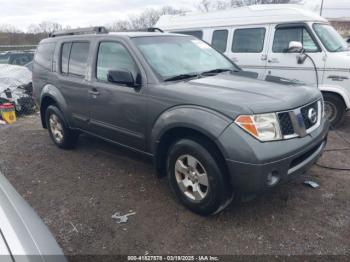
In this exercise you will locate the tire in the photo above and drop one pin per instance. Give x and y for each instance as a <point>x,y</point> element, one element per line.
<point>59,132</point>
<point>199,198</point>
<point>335,109</point>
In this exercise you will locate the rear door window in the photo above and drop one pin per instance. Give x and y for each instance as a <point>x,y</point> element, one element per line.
<point>219,41</point>
<point>65,57</point>
<point>250,40</point>
<point>44,55</point>
<point>78,58</point>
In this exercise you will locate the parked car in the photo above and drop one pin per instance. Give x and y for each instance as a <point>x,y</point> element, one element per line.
<point>258,38</point>
<point>16,87</point>
<point>23,236</point>
<point>16,57</point>
<point>212,131</point>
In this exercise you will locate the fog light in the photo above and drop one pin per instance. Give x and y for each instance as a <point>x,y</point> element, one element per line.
<point>273,178</point>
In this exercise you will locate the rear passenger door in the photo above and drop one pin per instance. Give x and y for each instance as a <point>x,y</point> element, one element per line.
<point>73,81</point>
<point>118,112</point>
<point>249,48</point>
<point>280,63</point>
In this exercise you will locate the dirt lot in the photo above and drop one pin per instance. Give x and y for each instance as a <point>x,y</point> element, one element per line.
<point>76,192</point>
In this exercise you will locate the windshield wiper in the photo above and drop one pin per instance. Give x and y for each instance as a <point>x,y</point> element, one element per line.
<point>180,77</point>
<point>217,71</point>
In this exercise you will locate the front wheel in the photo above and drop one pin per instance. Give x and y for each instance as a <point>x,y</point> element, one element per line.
<point>59,131</point>
<point>334,108</point>
<point>196,178</point>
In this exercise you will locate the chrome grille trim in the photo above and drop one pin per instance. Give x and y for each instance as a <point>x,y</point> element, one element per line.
<point>298,121</point>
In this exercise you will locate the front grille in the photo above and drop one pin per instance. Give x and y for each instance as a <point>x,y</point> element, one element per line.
<point>298,122</point>
<point>305,111</point>
<point>286,124</point>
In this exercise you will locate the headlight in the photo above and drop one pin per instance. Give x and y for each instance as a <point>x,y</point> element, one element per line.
<point>264,127</point>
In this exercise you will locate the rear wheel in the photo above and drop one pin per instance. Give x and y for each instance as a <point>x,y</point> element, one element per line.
<point>58,129</point>
<point>196,178</point>
<point>334,108</point>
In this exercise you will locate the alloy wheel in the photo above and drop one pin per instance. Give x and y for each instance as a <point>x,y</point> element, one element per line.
<point>56,128</point>
<point>191,178</point>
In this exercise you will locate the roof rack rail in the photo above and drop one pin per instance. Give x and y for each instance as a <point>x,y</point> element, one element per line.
<point>149,29</point>
<point>81,31</point>
<point>154,29</point>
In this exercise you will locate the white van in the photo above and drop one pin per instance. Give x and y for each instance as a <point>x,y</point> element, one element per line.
<point>260,38</point>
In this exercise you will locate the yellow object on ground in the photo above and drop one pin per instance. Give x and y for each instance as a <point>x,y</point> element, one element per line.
<point>8,113</point>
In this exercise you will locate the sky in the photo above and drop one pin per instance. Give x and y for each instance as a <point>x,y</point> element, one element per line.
<point>79,13</point>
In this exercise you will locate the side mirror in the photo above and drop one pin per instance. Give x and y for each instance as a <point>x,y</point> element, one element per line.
<point>295,47</point>
<point>122,77</point>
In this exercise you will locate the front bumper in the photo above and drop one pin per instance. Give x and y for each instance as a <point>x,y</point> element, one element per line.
<point>251,164</point>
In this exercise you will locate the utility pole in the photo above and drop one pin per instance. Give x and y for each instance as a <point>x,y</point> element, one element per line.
<point>321,11</point>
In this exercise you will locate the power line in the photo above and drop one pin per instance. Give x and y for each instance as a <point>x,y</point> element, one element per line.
<point>321,10</point>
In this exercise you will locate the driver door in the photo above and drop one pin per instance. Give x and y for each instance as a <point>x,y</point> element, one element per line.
<point>118,112</point>
<point>280,63</point>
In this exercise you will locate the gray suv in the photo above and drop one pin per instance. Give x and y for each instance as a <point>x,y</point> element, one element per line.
<point>212,130</point>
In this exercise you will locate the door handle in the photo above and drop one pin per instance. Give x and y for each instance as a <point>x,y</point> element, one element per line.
<point>94,92</point>
<point>273,61</point>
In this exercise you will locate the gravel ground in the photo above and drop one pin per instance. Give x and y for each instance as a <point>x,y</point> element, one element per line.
<point>76,192</point>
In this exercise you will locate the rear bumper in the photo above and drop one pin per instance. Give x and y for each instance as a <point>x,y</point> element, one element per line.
<point>282,160</point>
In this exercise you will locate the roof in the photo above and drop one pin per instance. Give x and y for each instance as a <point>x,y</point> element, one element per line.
<point>138,34</point>
<point>258,14</point>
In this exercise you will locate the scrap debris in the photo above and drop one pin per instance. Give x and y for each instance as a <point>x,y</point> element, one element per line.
<point>311,184</point>
<point>74,227</point>
<point>122,218</point>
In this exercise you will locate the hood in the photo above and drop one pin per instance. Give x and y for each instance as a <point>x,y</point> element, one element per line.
<point>234,95</point>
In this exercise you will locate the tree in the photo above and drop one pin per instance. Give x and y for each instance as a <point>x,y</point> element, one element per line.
<point>6,28</point>
<point>45,27</point>
<point>146,19</point>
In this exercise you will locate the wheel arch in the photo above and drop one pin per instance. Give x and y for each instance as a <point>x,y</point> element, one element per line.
<point>339,91</point>
<point>50,95</point>
<point>195,123</point>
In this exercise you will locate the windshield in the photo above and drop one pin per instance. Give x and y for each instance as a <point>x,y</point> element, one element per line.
<point>171,56</point>
<point>330,38</point>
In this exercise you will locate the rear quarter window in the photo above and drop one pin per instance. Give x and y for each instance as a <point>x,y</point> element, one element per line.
<point>44,55</point>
